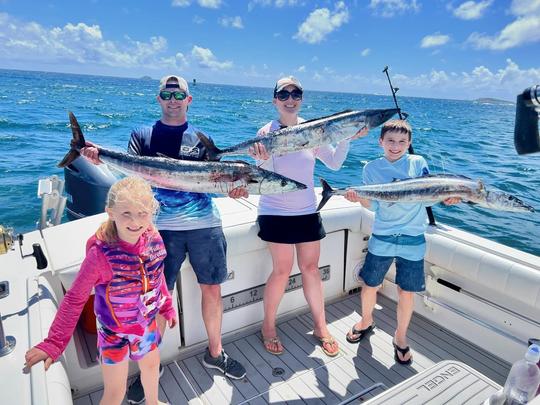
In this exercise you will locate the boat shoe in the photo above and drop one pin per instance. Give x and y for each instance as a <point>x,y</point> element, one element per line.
<point>230,367</point>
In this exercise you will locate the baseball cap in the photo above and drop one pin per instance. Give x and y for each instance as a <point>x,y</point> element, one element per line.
<point>286,81</point>
<point>182,84</point>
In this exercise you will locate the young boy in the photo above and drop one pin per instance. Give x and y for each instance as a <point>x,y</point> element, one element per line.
<point>398,233</point>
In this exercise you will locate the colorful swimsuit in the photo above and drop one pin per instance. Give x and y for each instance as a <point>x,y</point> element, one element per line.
<point>130,291</point>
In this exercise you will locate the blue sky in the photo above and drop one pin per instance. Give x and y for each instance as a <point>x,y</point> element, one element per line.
<point>435,48</point>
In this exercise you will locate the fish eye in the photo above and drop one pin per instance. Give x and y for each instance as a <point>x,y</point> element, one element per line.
<point>283,183</point>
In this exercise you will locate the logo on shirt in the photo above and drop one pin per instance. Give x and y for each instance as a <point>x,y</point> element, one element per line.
<point>189,150</point>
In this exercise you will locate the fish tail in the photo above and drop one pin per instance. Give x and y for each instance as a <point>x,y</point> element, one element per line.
<point>77,142</point>
<point>327,192</point>
<point>213,151</point>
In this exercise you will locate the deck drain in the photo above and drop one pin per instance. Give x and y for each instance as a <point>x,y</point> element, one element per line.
<point>277,371</point>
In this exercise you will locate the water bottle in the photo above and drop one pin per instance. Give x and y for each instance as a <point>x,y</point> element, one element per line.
<point>524,378</point>
<point>533,341</point>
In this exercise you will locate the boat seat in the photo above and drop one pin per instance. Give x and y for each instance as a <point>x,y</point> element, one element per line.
<point>495,273</point>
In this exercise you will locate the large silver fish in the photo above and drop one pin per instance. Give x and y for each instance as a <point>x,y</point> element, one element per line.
<point>432,189</point>
<point>194,176</point>
<point>307,135</point>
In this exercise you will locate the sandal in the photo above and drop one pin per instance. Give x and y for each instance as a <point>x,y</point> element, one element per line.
<point>403,352</point>
<point>270,343</point>
<point>327,343</point>
<point>360,332</point>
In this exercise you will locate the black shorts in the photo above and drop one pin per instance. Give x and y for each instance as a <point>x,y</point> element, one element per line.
<point>291,229</point>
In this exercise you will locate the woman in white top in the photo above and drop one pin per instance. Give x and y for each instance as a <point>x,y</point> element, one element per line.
<point>290,220</point>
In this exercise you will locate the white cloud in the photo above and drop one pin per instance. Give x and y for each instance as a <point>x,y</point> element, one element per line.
<point>79,43</point>
<point>301,69</point>
<point>272,3</point>
<point>233,22</point>
<point>479,82</point>
<point>181,3</point>
<point>202,3</point>
<point>365,52</point>
<point>322,22</point>
<point>317,77</point>
<point>472,10</point>
<point>197,19</point>
<point>206,59</point>
<point>525,29</point>
<point>389,8</point>
<point>434,40</point>
<point>209,3</point>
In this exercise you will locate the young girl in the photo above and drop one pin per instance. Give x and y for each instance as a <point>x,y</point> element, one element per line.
<point>124,263</point>
<point>290,221</point>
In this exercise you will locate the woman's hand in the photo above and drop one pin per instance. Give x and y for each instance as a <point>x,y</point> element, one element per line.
<point>452,201</point>
<point>258,151</point>
<point>239,192</point>
<point>90,151</point>
<point>35,355</point>
<point>360,134</point>
<point>352,196</point>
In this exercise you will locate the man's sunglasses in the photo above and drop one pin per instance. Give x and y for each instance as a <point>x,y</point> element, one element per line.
<point>284,95</point>
<point>167,95</point>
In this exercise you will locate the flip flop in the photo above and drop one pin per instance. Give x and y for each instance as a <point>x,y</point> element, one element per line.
<point>403,352</point>
<point>360,332</point>
<point>272,342</point>
<point>328,341</point>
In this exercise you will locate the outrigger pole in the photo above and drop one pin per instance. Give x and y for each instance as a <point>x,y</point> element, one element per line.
<point>394,90</point>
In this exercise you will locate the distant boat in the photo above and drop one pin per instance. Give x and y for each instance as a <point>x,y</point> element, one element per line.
<point>194,82</point>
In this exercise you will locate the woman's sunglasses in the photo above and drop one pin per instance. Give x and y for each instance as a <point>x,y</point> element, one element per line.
<point>167,95</point>
<point>284,95</point>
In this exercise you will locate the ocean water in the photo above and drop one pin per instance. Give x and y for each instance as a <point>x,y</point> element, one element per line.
<point>458,137</point>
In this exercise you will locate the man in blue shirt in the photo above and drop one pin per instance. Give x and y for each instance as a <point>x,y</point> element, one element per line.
<point>189,223</point>
<point>398,234</point>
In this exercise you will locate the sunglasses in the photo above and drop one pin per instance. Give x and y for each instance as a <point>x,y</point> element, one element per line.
<point>284,95</point>
<point>167,95</point>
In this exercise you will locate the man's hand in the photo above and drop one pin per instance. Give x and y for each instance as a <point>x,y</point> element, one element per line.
<point>352,196</point>
<point>452,201</point>
<point>258,151</point>
<point>35,355</point>
<point>239,192</point>
<point>91,153</point>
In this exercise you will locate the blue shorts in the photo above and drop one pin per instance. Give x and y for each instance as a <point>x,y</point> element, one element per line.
<point>207,250</point>
<point>409,273</point>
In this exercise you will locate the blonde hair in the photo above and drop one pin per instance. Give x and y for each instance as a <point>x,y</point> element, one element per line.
<point>400,126</point>
<point>132,189</point>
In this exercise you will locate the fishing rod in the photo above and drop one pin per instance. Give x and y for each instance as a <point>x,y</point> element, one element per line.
<point>394,90</point>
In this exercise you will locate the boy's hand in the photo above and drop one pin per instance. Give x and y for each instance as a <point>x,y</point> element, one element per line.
<point>452,201</point>
<point>258,151</point>
<point>239,192</point>
<point>351,195</point>
<point>35,355</point>
<point>172,322</point>
<point>360,134</point>
<point>91,153</point>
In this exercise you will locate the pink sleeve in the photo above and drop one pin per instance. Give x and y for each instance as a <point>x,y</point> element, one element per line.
<point>167,309</point>
<point>91,273</point>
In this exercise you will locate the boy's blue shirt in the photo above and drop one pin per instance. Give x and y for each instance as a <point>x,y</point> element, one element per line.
<point>397,218</point>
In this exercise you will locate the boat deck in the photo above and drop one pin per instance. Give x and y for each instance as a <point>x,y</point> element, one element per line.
<point>303,374</point>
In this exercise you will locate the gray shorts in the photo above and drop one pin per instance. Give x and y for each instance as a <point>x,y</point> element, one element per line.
<point>207,249</point>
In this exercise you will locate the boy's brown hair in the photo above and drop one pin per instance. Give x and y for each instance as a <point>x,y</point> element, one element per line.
<point>396,126</point>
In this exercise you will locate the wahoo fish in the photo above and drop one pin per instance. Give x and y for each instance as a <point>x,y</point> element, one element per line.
<point>307,135</point>
<point>194,176</point>
<point>433,188</point>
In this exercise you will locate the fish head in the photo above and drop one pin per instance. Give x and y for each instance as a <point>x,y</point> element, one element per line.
<point>499,200</point>
<point>374,118</point>
<point>273,183</point>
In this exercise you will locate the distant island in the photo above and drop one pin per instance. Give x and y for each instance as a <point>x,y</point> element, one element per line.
<point>489,100</point>
<point>145,78</point>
